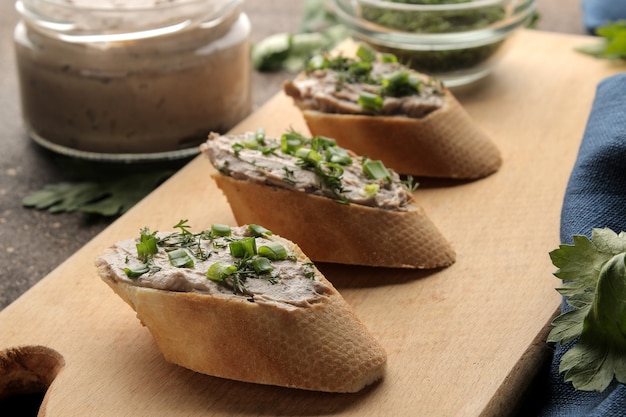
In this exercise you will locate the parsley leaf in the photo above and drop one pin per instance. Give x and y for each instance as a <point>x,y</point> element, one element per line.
<point>594,274</point>
<point>104,197</point>
<point>613,42</point>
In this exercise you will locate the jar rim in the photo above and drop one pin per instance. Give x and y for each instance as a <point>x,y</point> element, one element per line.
<point>83,22</point>
<point>126,5</point>
<point>417,7</point>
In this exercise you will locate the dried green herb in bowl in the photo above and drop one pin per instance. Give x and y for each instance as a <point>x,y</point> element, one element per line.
<point>457,41</point>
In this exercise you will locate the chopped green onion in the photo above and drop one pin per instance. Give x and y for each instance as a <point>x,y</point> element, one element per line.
<point>268,150</point>
<point>219,270</point>
<point>237,148</point>
<point>317,62</point>
<point>376,170</point>
<point>369,190</point>
<point>250,142</point>
<point>366,54</point>
<point>260,136</point>
<point>396,77</point>
<point>308,155</point>
<point>273,251</point>
<point>291,142</point>
<point>338,155</point>
<point>329,170</point>
<point>370,101</point>
<point>261,265</point>
<point>257,230</point>
<point>180,258</point>
<point>220,230</point>
<point>243,248</point>
<point>137,271</point>
<point>388,58</point>
<point>319,143</point>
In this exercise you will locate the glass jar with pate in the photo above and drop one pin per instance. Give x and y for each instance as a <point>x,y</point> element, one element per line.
<point>131,80</point>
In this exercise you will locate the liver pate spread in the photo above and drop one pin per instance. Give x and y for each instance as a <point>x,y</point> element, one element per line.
<point>339,84</point>
<point>239,156</point>
<point>286,280</point>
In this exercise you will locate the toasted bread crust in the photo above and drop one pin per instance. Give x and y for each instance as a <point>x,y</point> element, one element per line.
<point>321,347</point>
<point>445,144</point>
<point>328,231</point>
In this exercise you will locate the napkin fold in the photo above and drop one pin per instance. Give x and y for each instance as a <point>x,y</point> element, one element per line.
<point>600,12</point>
<point>595,197</point>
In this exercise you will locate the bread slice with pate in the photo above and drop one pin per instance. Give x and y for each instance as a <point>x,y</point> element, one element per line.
<point>337,206</point>
<point>244,304</point>
<point>377,107</point>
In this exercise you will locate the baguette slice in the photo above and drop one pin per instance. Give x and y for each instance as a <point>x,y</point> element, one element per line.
<point>297,332</point>
<point>438,140</point>
<point>328,231</point>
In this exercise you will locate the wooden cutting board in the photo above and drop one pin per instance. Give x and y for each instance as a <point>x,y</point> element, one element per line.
<point>463,341</point>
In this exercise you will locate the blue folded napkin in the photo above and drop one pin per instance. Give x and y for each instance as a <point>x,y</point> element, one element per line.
<point>595,197</point>
<point>599,12</point>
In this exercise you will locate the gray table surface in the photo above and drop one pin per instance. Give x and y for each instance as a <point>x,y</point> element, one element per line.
<point>33,243</point>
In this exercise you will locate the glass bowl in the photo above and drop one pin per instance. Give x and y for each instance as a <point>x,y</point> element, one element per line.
<point>456,41</point>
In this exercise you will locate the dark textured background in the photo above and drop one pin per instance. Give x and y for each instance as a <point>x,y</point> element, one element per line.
<point>32,242</point>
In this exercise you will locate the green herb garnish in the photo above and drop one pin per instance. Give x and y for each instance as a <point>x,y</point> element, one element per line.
<point>308,156</point>
<point>376,170</point>
<point>370,101</point>
<point>400,84</point>
<point>243,248</point>
<point>594,286</point>
<point>337,155</point>
<point>366,54</point>
<point>136,271</point>
<point>612,44</point>
<point>180,258</point>
<point>321,155</point>
<point>105,197</point>
<point>290,142</point>
<point>183,226</point>
<point>273,250</point>
<point>221,230</point>
<point>219,270</point>
<point>261,265</point>
<point>184,247</point>
<point>410,184</point>
<point>257,230</point>
<point>369,190</point>
<point>147,245</point>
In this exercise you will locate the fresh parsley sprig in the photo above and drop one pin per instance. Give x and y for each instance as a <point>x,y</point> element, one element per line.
<point>612,44</point>
<point>594,286</point>
<point>106,197</point>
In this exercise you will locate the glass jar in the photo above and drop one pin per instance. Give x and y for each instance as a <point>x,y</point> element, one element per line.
<point>456,41</point>
<point>132,79</point>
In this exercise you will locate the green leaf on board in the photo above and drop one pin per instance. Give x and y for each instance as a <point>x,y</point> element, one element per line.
<point>612,43</point>
<point>105,197</point>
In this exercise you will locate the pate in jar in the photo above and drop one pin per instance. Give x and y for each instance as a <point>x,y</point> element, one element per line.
<point>132,79</point>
